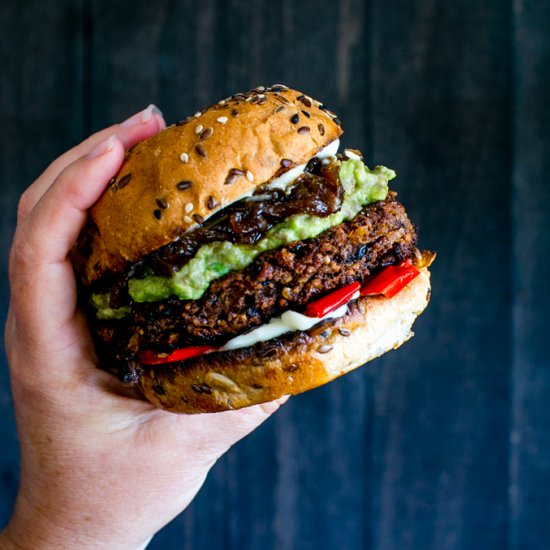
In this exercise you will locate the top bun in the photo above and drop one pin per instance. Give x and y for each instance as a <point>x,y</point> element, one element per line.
<point>176,179</point>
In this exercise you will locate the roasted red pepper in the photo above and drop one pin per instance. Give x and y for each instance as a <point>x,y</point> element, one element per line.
<point>155,358</point>
<point>390,280</point>
<point>332,301</point>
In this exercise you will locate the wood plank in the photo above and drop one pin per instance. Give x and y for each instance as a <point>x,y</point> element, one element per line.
<point>441,98</point>
<point>40,117</point>
<point>530,436</point>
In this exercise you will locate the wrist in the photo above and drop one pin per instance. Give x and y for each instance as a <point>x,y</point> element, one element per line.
<point>31,530</point>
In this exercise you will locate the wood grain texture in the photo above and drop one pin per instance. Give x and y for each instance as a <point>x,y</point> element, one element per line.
<point>530,429</point>
<point>441,108</point>
<point>443,444</point>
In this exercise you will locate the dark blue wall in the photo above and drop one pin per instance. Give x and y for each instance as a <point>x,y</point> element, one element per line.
<point>445,443</point>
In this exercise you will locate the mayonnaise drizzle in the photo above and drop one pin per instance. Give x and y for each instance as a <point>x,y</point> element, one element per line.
<point>284,179</point>
<point>289,321</point>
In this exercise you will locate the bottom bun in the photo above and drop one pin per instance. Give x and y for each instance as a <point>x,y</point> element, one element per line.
<point>290,364</point>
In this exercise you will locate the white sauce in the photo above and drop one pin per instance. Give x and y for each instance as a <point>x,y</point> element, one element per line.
<point>284,179</point>
<point>351,154</point>
<point>330,150</point>
<point>289,321</point>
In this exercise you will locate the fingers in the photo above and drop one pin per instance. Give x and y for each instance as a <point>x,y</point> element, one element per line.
<point>138,127</point>
<point>56,220</point>
<point>41,277</point>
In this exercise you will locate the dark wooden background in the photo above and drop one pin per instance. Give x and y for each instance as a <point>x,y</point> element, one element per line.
<point>445,443</point>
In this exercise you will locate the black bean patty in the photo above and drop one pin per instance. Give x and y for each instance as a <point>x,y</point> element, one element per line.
<point>286,278</point>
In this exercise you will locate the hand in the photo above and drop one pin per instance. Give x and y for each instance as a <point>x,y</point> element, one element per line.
<point>98,469</point>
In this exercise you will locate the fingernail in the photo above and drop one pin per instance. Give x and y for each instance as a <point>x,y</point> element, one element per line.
<point>143,116</point>
<point>103,147</point>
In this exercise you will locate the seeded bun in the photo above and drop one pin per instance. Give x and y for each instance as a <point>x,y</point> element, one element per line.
<point>290,364</point>
<point>175,180</point>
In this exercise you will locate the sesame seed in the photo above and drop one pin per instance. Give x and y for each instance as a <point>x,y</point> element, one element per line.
<point>188,207</point>
<point>337,121</point>
<point>222,119</point>
<point>344,331</point>
<point>249,175</point>
<point>281,98</point>
<point>305,100</point>
<point>260,89</point>
<point>234,112</point>
<point>123,181</point>
<point>187,219</point>
<point>279,88</point>
<point>280,108</point>
<point>306,114</point>
<point>197,114</point>
<point>285,163</point>
<point>303,130</point>
<point>198,129</point>
<point>232,176</point>
<point>211,203</point>
<point>222,102</point>
<point>200,150</point>
<point>206,133</point>
<point>183,185</point>
<point>321,129</point>
<point>230,179</point>
<point>184,157</point>
<point>157,214</point>
<point>198,218</point>
<point>295,118</point>
<point>161,203</point>
<point>325,348</point>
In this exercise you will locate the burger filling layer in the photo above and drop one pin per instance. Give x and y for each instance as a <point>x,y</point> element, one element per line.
<point>232,240</point>
<point>252,269</point>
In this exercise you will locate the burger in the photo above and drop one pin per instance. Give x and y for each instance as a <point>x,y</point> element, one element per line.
<point>239,256</point>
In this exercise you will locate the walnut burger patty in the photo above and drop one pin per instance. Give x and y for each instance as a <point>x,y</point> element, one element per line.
<point>237,257</point>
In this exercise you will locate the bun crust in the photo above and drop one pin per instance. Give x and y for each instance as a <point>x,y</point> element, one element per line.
<point>172,181</point>
<point>287,365</point>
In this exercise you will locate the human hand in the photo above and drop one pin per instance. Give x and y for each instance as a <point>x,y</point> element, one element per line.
<point>98,469</point>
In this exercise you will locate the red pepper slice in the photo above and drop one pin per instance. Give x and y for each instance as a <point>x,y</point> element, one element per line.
<point>390,280</point>
<point>154,358</point>
<point>332,301</point>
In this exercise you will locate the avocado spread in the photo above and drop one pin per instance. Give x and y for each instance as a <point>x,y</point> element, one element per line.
<point>361,187</point>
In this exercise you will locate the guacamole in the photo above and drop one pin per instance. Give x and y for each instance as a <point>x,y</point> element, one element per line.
<point>361,187</point>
